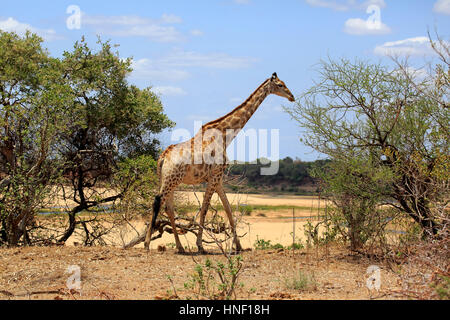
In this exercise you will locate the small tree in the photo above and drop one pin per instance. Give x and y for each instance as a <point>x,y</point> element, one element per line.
<point>111,122</point>
<point>364,110</point>
<point>356,190</point>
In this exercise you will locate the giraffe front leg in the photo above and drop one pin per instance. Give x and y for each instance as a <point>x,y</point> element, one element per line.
<point>228,210</point>
<point>205,205</point>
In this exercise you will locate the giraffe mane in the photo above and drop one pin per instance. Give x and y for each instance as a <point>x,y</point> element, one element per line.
<point>237,108</point>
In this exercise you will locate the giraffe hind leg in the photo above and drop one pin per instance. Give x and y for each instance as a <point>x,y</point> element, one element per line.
<point>169,183</point>
<point>151,227</point>
<point>171,214</point>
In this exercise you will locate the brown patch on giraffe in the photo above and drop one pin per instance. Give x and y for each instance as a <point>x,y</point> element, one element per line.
<point>235,122</point>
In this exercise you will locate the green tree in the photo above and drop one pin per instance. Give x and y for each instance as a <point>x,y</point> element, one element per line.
<point>33,112</point>
<point>111,122</point>
<point>75,119</point>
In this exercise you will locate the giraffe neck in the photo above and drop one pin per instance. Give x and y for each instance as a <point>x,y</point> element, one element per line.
<point>236,119</point>
<point>232,123</point>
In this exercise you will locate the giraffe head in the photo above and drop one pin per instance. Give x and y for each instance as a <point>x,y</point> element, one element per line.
<point>276,86</point>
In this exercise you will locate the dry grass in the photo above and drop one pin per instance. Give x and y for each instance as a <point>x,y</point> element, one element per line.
<point>113,273</point>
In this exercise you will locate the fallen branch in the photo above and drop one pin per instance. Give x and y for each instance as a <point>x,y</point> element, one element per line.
<point>10,294</point>
<point>191,226</point>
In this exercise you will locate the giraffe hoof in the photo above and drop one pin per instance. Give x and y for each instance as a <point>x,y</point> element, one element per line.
<point>238,250</point>
<point>202,251</point>
<point>181,251</point>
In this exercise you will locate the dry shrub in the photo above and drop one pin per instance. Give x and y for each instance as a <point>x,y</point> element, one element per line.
<point>426,271</point>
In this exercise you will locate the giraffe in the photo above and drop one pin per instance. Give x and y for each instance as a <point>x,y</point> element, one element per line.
<point>203,159</point>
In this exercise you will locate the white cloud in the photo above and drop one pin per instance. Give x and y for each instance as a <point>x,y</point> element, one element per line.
<point>417,74</point>
<point>345,5</point>
<point>366,4</point>
<point>442,6</point>
<point>148,69</point>
<point>171,18</point>
<point>242,1</point>
<point>181,58</point>
<point>358,26</point>
<point>169,91</point>
<point>153,32</point>
<point>196,33</point>
<point>129,20</point>
<point>114,20</point>
<point>159,30</point>
<point>12,25</point>
<point>172,67</point>
<point>406,47</point>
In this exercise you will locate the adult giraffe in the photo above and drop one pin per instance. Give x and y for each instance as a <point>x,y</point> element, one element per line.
<point>203,159</point>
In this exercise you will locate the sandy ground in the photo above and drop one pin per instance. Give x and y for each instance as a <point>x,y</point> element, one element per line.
<point>113,273</point>
<point>233,198</point>
<point>274,225</point>
<point>250,230</point>
<point>259,199</point>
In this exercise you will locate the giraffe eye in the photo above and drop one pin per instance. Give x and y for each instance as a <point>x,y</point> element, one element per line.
<point>280,85</point>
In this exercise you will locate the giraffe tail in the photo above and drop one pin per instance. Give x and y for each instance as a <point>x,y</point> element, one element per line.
<point>156,208</point>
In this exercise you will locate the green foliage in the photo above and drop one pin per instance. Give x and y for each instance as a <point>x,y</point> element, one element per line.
<point>74,117</point>
<point>412,233</point>
<point>297,245</point>
<point>301,282</point>
<point>215,279</point>
<point>33,111</point>
<point>137,177</point>
<point>356,188</point>
<point>277,246</point>
<point>442,287</point>
<point>245,210</point>
<point>261,244</point>
<point>110,140</point>
<point>291,175</point>
<point>171,245</point>
<point>106,107</point>
<point>387,134</point>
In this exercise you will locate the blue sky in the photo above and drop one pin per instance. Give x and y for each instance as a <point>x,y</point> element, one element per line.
<point>206,57</point>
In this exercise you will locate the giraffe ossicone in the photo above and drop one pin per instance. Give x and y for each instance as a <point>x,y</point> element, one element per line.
<point>203,159</point>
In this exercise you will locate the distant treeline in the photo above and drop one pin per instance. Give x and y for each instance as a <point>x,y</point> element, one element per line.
<point>293,176</point>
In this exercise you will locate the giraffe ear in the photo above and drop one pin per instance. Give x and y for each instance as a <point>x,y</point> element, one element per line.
<point>274,76</point>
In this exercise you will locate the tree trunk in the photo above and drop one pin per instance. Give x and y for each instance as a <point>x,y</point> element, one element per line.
<point>79,208</point>
<point>355,237</point>
<point>71,228</point>
<point>13,236</point>
<point>420,214</point>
